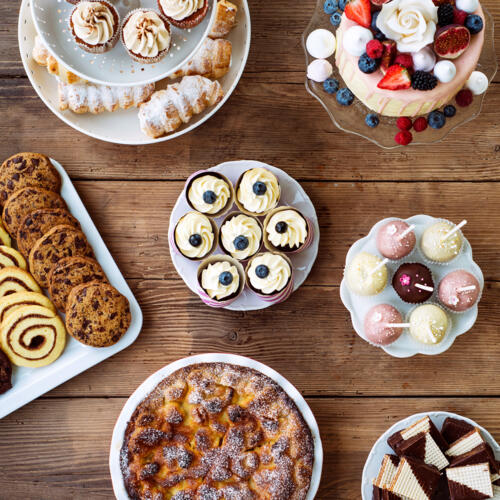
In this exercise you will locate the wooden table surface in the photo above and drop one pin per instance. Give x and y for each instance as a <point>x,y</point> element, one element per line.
<point>57,447</point>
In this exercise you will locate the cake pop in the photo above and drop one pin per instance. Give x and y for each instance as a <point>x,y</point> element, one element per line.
<point>396,239</point>
<point>367,274</point>
<point>442,241</point>
<point>459,290</point>
<point>428,324</point>
<point>413,283</point>
<point>383,324</point>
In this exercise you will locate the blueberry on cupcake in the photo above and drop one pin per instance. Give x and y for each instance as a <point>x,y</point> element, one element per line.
<point>241,236</point>
<point>195,236</point>
<point>210,193</point>
<point>257,191</point>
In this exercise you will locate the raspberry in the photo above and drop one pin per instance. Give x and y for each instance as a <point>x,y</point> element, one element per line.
<point>404,138</point>
<point>374,49</point>
<point>420,124</point>
<point>459,16</point>
<point>404,123</point>
<point>404,60</point>
<point>464,98</point>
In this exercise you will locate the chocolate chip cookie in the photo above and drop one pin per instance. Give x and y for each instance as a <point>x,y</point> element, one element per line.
<point>5,373</point>
<point>37,223</point>
<point>97,314</point>
<point>27,169</point>
<point>59,242</point>
<point>24,202</point>
<point>70,272</point>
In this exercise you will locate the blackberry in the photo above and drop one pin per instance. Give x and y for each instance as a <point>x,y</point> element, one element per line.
<point>445,14</point>
<point>421,80</point>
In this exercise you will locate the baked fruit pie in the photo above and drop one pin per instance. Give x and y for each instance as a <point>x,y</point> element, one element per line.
<point>221,431</point>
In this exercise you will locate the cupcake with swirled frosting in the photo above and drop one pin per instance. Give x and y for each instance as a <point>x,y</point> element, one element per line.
<point>195,236</point>
<point>184,14</point>
<point>257,191</point>
<point>240,236</point>
<point>95,26</point>
<point>146,36</point>
<point>210,193</point>
<point>287,230</point>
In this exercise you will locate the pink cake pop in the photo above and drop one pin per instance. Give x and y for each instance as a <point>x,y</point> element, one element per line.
<point>396,239</point>
<point>459,290</point>
<point>378,324</point>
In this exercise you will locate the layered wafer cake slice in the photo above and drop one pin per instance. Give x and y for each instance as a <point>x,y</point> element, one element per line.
<point>470,482</point>
<point>387,471</point>
<point>423,447</point>
<point>415,480</point>
<point>465,444</point>
<point>479,455</point>
<point>496,492</point>
<point>453,429</point>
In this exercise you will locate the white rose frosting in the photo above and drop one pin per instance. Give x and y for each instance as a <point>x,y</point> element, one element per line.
<point>180,9</point>
<point>258,203</point>
<point>241,225</point>
<point>410,23</point>
<point>145,34</point>
<point>194,223</point>
<point>211,283</point>
<point>295,233</point>
<point>278,277</point>
<point>93,22</point>
<point>206,183</point>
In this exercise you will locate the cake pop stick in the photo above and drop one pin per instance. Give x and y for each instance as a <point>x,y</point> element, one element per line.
<point>454,230</point>
<point>398,325</point>
<point>406,231</point>
<point>466,288</point>
<point>378,266</point>
<point>424,287</point>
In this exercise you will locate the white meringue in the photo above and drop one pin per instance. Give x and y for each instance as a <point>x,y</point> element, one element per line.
<point>477,83</point>
<point>468,6</point>
<point>319,70</point>
<point>321,44</point>
<point>355,40</point>
<point>424,60</point>
<point>445,71</point>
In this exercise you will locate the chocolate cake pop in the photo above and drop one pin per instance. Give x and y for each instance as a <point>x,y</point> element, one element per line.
<point>396,239</point>
<point>413,283</point>
<point>379,324</point>
<point>459,290</point>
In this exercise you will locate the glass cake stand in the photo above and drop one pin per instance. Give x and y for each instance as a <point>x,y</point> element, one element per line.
<point>351,119</point>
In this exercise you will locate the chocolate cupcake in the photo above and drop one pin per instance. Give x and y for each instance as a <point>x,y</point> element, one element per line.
<point>210,193</point>
<point>257,192</point>
<point>240,236</point>
<point>184,14</point>
<point>95,25</point>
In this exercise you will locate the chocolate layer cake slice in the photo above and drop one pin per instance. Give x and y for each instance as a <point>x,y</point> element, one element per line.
<point>465,444</point>
<point>415,480</point>
<point>387,471</point>
<point>470,482</point>
<point>479,455</point>
<point>454,428</point>
<point>424,447</point>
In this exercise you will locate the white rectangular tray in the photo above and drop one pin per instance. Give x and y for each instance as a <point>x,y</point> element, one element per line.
<point>30,383</point>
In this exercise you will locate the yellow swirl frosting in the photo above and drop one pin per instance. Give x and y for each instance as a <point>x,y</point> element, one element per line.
<point>93,22</point>
<point>209,194</point>
<point>181,9</point>
<point>241,236</point>
<point>145,34</point>
<point>194,235</point>
<point>274,277</point>
<point>287,228</point>
<point>212,282</point>
<point>259,190</point>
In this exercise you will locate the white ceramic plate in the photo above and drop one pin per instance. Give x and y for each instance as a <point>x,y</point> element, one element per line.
<point>122,126</point>
<point>150,383</point>
<point>30,383</point>
<point>114,67</point>
<point>406,345</point>
<point>380,448</point>
<point>292,194</point>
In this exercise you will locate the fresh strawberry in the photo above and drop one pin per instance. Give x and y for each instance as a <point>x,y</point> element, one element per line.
<point>396,78</point>
<point>404,60</point>
<point>359,11</point>
<point>388,55</point>
<point>459,16</point>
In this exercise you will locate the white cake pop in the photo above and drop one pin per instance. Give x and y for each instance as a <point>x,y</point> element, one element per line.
<point>445,71</point>
<point>355,40</point>
<point>477,83</point>
<point>319,70</point>
<point>321,44</point>
<point>468,6</point>
<point>424,60</point>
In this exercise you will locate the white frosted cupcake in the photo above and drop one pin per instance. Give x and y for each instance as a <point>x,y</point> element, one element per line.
<point>146,36</point>
<point>184,14</point>
<point>195,236</point>
<point>257,191</point>
<point>240,236</point>
<point>210,193</point>
<point>95,26</point>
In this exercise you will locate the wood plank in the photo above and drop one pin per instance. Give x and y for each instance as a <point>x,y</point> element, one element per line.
<point>68,458</point>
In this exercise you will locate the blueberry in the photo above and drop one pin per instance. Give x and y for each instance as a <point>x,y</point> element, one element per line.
<point>366,64</point>
<point>195,240</point>
<point>225,278</point>
<point>379,36</point>
<point>330,6</point>
<point>240,242</point>
<point>335,18</point>
<point>345,97</point>
<point>209,197</point>
<point>436,119</point>
<point>374,20</point>
<point>450,111</point>
<point>281,227</point>
<point>474,23</point>
<point>372,120</point>
<point>342,4</point>
<point>331,85</point>
<point>259,188</point>
<point>262,271</point>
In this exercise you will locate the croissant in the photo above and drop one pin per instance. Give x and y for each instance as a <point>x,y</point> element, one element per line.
<point>211,61</point>
<point>90,98</point>
<point>225,18</point>
<point>43,57</point>
<point>168,109</point>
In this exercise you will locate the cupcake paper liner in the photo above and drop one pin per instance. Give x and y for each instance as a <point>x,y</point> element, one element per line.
<point>243,209</point>
<point>429,261</point>
<point>228,217</point>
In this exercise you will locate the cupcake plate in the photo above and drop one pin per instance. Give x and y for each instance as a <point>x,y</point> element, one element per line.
<point>380,448</point>
<point>358,306</point>
<point>30,383</point>
<point>292,194</point>
<point>150,383</point>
